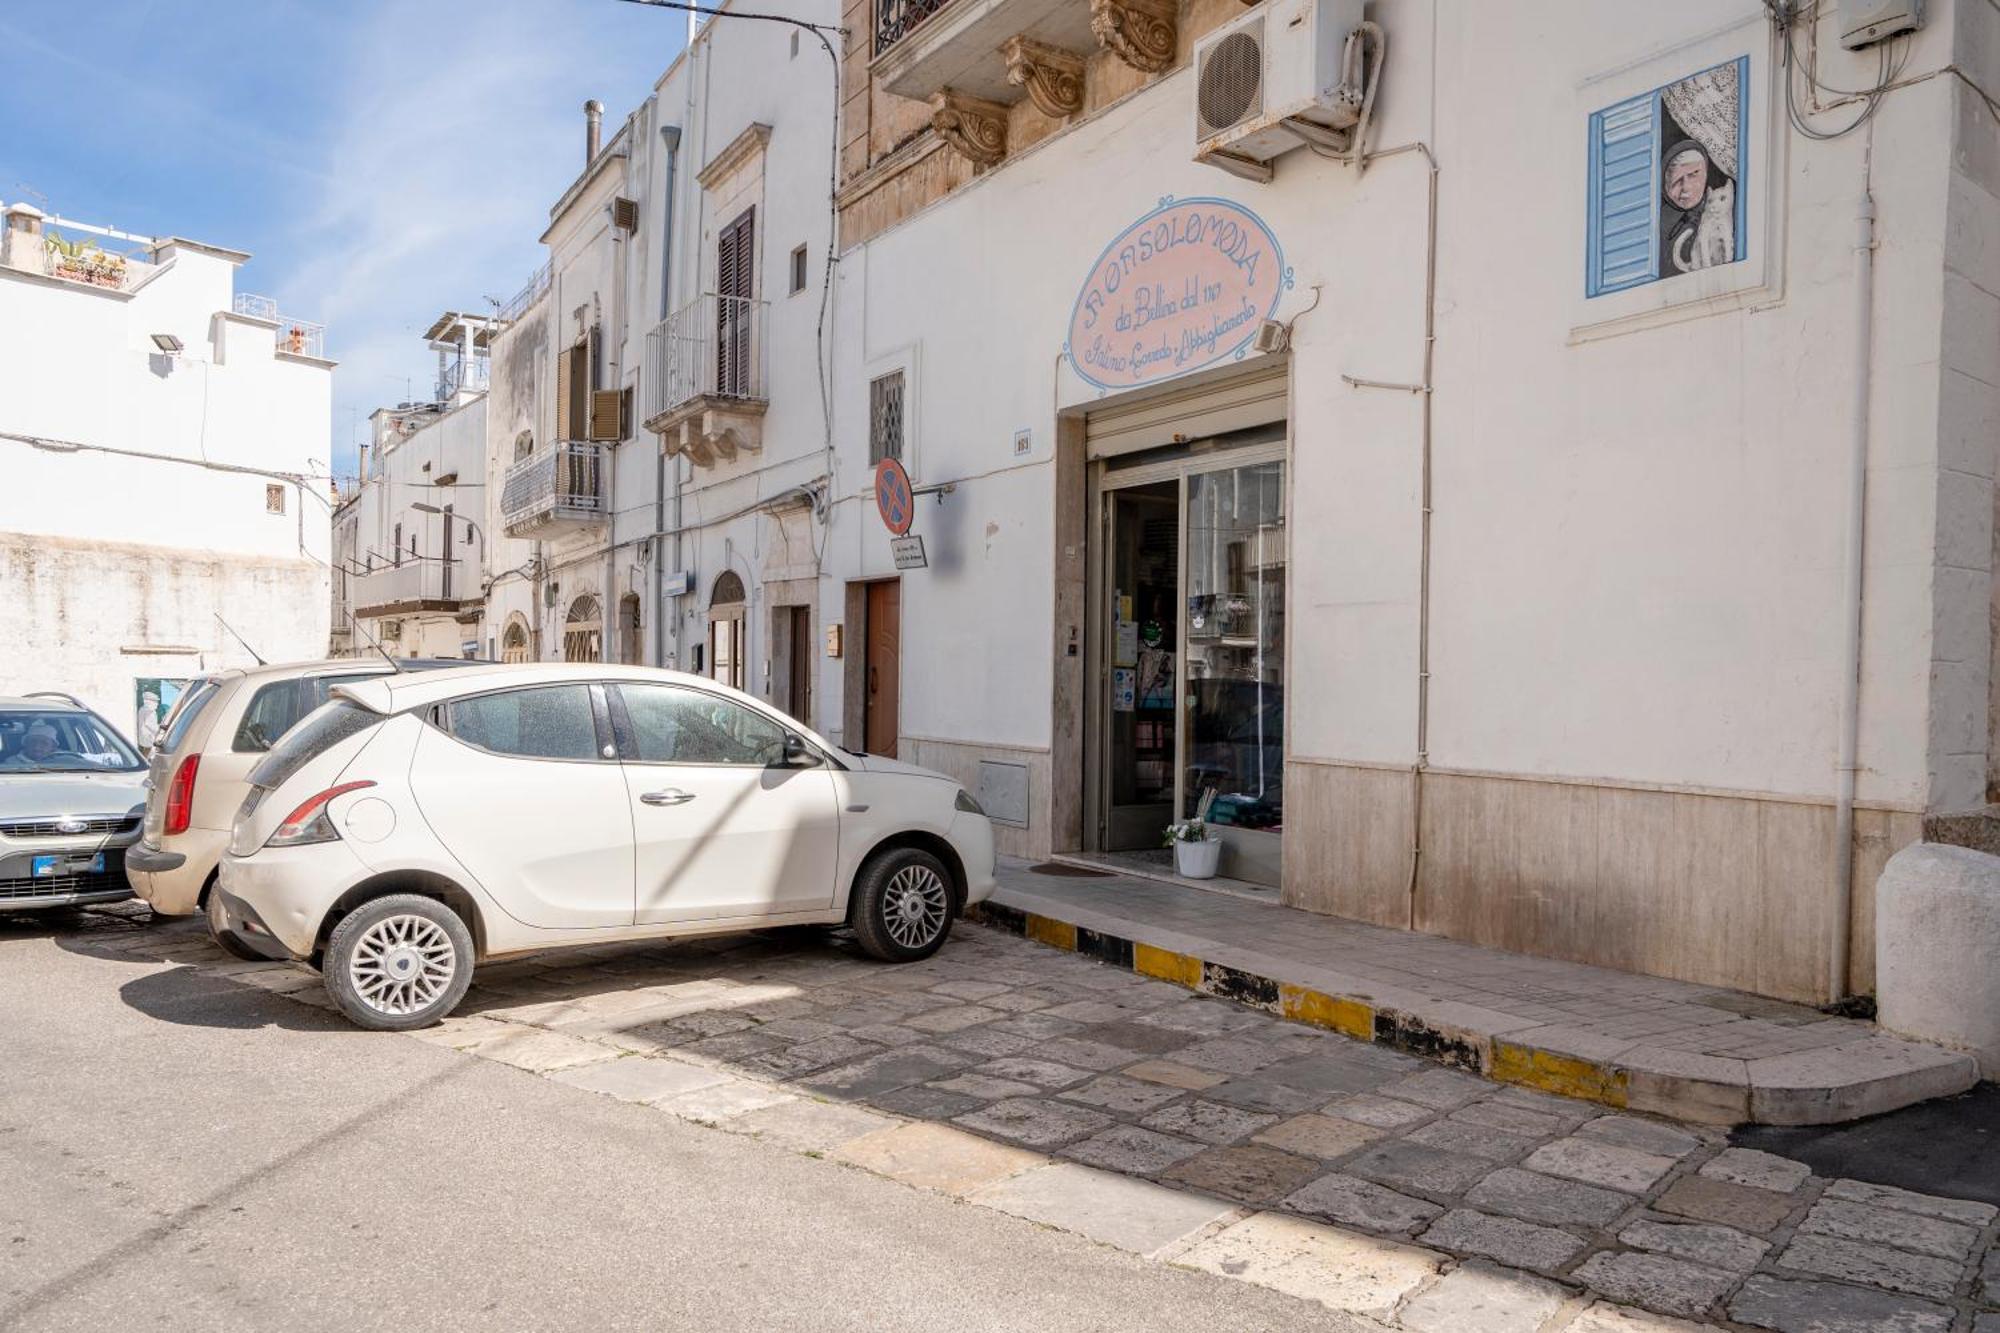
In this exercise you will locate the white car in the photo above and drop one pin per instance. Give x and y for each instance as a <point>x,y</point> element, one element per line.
<point>419,823</point>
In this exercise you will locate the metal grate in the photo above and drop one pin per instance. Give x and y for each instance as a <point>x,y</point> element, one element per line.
<point>1230,88</point>
<point>885,417</point>
<point>52,828</point>
<point>110,881</point>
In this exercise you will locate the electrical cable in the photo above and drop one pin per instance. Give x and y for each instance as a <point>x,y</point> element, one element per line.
<point>1785,20</point>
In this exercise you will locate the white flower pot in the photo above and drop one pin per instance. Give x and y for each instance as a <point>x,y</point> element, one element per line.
<point>1197,860</point>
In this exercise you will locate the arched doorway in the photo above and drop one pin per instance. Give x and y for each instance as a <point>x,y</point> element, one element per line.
<point>583,631</point>
<point>629,640</point>
<point>514,640</point>
<point>725,630</point>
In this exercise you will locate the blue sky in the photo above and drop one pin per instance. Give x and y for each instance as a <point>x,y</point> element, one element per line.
<point>382,160</point>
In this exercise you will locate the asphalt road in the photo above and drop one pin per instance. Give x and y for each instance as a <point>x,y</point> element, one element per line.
<point>177,1151</point>
<point>1950,1146</point>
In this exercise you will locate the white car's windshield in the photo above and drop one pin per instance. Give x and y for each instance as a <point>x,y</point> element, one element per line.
<point>51,740</point>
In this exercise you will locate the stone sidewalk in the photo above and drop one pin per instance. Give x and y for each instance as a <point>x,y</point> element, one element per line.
<point>1625,1040</point>
<point>1200,1132</point>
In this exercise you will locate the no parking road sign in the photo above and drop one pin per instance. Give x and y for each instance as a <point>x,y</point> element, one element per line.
<point>894,499</point>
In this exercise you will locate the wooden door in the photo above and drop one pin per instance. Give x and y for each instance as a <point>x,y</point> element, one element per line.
<point>884,658</point>
<point>798,698</point>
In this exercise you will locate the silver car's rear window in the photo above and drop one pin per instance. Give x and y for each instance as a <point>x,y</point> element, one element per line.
<point>323,728</point>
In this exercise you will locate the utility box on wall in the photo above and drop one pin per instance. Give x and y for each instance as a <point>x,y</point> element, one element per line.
<point>1003,792</point>
<point>1866,22</point>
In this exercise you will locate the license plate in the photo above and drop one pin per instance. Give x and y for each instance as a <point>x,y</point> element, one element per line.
<point>46,867</point>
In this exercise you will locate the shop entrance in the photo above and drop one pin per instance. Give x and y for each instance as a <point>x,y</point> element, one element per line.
<point>1188,647</point>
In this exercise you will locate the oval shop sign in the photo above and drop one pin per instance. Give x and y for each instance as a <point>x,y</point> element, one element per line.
<point>1183,287</point>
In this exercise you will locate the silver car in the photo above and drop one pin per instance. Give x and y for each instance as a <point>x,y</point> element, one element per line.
<point>72,795</point>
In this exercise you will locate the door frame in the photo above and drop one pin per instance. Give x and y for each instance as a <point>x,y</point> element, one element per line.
<point>1104,482</point>
<point>854,674</point>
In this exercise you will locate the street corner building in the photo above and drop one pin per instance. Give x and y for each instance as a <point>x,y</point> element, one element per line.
<point>1524,477</point>
<point>1464,453</point>
<point>164,478</point>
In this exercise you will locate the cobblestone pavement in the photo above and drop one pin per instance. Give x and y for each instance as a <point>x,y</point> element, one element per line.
<point>1216,1136</point>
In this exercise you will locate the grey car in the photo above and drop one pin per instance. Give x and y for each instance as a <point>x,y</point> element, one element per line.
<point>72,795</point>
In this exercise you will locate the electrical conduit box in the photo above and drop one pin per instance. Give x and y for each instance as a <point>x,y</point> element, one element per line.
<point>1866,22</point>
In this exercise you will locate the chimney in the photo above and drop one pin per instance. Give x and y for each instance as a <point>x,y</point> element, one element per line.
<point>593,129</point>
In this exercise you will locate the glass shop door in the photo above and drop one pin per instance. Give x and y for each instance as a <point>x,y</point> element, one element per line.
<point>1191,653</point>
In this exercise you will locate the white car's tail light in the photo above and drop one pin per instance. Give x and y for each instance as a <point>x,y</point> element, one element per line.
<point>310,822</point>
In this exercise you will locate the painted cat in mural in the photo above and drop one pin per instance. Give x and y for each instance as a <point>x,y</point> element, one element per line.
<point>1712,239</point>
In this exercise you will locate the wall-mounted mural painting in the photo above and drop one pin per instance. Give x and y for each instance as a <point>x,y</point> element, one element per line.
<point>154,697</point>
<point>1668,180</point>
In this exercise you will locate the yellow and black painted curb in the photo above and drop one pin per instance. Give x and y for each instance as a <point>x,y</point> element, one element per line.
<point>1355,1016</point>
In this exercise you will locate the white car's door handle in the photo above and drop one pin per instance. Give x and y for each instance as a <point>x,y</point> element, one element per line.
<point>671,796</point>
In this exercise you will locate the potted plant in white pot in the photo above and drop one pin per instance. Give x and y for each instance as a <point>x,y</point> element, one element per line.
<point>1197,852</point>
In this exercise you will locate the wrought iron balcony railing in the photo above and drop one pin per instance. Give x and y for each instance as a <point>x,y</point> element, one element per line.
<point>712,347</point>
<point>299,336</point>
<point>894,19</point>
<point>560,484</point>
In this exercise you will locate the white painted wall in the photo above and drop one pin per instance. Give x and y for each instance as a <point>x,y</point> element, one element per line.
<point>1636,561</point>
<point>108,559</point>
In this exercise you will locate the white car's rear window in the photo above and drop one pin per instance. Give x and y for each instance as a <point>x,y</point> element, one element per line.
<point>324,728</point>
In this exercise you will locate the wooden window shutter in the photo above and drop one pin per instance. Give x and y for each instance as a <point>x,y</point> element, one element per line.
<point>563,359</point>
<point>735,271</point>
<point>576,418</point>
<point>610,414</point>
<point>735,283</point>
<point>1623,241</point>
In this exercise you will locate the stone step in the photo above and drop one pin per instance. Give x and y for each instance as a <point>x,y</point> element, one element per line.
<point>1642,1043</point>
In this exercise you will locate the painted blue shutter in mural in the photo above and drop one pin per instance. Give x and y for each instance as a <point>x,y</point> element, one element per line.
<point>1624,205</point>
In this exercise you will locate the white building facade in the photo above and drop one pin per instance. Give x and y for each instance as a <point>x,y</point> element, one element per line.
<point>1565,523</point>
<point>1499,587</point>
<point>164,470</point>
<point>658,422</point>
<point>410,557</point>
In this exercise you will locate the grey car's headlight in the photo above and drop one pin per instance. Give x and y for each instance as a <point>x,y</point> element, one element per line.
<point>967,804</point>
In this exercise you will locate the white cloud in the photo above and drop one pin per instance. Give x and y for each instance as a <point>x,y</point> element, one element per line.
<point>454,136</point>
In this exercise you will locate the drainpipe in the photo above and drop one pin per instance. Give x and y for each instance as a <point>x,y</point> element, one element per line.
<point>670,137</point>
<point>1851,586</point>
<point>1423,390</point>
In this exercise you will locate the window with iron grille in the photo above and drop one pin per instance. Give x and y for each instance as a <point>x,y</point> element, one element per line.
<point>885,417</point>
<point>274,499</point>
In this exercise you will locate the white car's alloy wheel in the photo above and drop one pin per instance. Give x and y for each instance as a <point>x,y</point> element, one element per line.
<point>902,905</point>
<point>399,962</point>
<point>916,906</point>
<point>402,964</point>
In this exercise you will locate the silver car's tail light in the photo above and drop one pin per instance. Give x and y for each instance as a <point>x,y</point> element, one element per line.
<point>310,823</point>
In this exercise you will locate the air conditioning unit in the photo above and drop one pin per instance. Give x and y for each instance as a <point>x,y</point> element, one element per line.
<point>1286,74</point>
<point>392,629</point>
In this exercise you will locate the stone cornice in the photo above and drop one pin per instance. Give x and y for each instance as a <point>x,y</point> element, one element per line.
<point>740,150</point>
